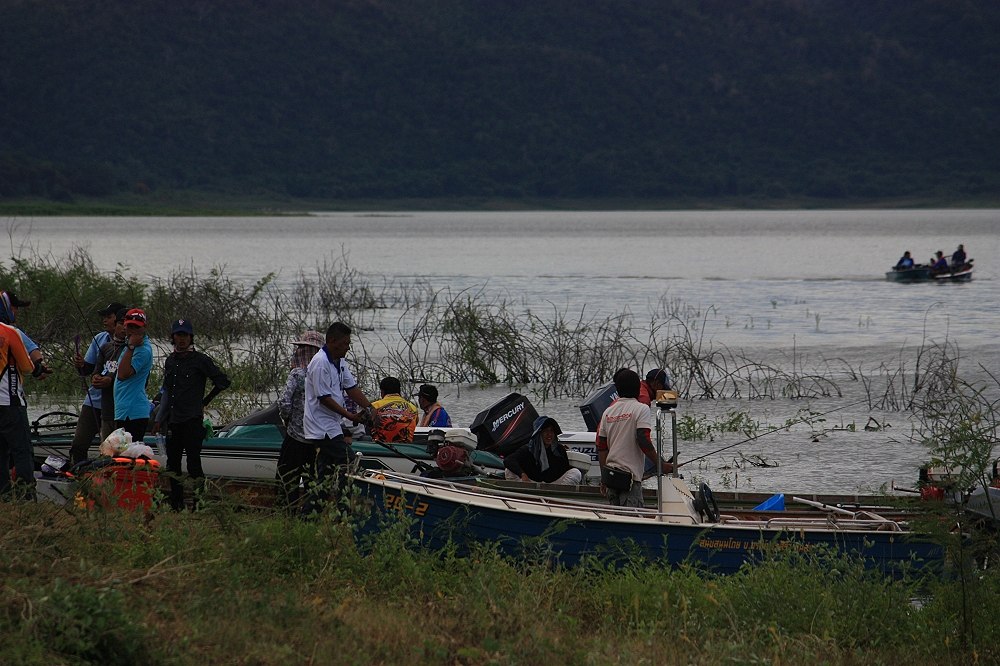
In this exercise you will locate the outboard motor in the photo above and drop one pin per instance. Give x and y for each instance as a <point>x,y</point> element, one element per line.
<point>593,407</point>
<point>506,425</point>
<point>454,458</point>
<point>435,438</point>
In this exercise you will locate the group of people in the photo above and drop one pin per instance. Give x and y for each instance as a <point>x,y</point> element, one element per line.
<point>624,443</point>
<point>116,368</point>
<point>323,408</point>
<point>938,263</point>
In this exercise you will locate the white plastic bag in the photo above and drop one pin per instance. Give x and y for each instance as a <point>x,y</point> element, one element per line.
<point>116,442</point>
<point>137,451</point>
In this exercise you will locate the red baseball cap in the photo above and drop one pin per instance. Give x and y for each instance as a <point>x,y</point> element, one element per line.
<point>135,317</point>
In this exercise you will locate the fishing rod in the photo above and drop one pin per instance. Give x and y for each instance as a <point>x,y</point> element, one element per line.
<point>421,465</point>
<point>773,430</point>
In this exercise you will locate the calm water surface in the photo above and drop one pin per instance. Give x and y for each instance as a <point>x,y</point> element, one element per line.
<point>806,286</point>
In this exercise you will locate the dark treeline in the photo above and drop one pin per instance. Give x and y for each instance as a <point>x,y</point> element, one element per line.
<point>837,99</point>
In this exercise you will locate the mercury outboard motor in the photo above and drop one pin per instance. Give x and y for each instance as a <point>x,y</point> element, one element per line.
<point>505,426</point>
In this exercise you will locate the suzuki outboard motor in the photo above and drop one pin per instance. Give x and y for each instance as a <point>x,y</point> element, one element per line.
<point>595,404</point>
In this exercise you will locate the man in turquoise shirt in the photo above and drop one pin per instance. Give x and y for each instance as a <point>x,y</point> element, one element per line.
<point>134,365</point>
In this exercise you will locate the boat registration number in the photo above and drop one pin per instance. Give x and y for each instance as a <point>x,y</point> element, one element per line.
<point>398,503</point>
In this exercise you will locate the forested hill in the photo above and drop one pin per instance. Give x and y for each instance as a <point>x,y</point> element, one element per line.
<point>534,98</point>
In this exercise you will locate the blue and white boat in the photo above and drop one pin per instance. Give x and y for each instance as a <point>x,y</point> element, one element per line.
<point>688,527</point>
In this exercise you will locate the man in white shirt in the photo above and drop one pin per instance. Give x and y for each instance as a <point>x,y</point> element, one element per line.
<point>328,379</point>
<point>623,442</point>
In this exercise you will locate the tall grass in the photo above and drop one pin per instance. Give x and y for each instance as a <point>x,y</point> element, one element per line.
<point>219,587</point>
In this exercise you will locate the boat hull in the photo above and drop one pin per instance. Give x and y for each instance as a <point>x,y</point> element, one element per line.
<point>915,274</point>
<point>441,516</point>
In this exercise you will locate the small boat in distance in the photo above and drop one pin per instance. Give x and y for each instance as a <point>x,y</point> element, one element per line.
<point>924,273</point>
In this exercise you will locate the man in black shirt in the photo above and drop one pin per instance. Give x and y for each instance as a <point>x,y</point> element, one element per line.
<point>183,399</point>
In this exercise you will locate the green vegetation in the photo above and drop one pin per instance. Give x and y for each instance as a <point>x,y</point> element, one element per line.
<point>673,102</point>
<point>223,587</point>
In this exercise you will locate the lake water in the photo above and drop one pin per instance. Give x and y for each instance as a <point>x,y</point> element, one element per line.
<point>799,287</point>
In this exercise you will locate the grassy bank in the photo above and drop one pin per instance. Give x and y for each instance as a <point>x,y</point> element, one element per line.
<point>226,587</point>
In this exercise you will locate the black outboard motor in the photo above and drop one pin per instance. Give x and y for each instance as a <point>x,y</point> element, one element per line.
<point>593,407</point>
<point>505,426</point>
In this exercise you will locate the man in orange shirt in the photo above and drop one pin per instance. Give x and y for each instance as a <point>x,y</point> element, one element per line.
<point>15,434</point>
<point>395,417</point>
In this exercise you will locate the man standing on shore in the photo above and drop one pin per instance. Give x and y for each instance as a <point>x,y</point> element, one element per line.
<point>88,424</point>
<point>186,372</point>
<point>328,379</point>
<point>134,364</point>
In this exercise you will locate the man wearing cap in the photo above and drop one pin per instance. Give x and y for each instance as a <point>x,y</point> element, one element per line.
<point>657,379</point>
<point>134,366</point>
<point>88,424</point>
<point>328,378</point>
<point>186,372</point>
<point>434,415</point>
<point>106,370</point>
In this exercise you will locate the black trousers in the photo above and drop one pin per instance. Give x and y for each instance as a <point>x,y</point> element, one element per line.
<point>332,457</point>
<point>183,438</point>
<point>296,463</point>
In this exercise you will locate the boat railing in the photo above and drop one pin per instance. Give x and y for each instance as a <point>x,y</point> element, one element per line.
<point>514,500</point>
<point>829,522</point>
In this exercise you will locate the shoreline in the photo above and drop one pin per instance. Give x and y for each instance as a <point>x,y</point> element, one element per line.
<point>197,204</point>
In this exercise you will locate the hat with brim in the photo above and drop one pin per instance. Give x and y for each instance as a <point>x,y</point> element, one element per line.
<point>542,422</point>
<point>311,339</point>
<point>112,308</point>
<point>658,374</point>
<point>182,326</point>
<point>135,317</point>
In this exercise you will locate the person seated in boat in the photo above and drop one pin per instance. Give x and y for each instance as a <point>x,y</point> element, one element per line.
<point>906,261</point>
<point>543,459</point>
<point>656,380</point>
<point>940,264</point>
<point>394,418</point>
<point>958,257</point>
<point>434,415</point>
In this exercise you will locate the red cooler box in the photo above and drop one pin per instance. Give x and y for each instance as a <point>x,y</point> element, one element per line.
<point>127,483</point>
